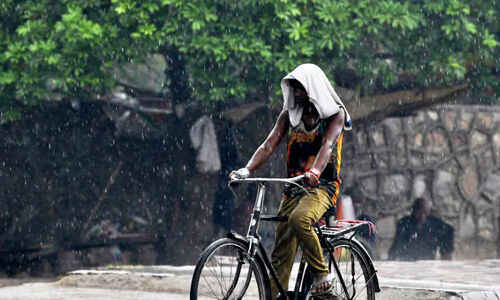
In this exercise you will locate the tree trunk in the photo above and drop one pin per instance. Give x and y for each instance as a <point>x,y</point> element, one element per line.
<point>372,108</point>
<point>400,102</point>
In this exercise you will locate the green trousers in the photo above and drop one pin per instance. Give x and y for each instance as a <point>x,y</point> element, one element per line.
<point>303,212</point>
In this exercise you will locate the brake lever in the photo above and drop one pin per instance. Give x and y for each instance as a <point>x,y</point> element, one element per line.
<point>300,179</point>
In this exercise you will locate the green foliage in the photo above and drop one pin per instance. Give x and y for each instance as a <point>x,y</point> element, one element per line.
<point>240,49</point>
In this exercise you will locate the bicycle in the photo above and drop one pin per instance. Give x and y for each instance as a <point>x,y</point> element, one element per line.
<point>238,267</point>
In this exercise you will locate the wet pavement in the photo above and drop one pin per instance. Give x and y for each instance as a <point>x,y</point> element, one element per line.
<point>450,280</point>
<point>43,291</point>
<point>478,279</point>
<point>456,276</point>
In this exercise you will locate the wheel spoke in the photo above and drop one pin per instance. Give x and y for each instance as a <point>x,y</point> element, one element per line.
<point>354,272</point>
<point>222,279</point>
<point>214,272</point>
<point>208,284</point>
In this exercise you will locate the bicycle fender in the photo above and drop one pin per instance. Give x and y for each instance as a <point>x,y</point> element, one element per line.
<point>236,236</point>
<point>258,255</point>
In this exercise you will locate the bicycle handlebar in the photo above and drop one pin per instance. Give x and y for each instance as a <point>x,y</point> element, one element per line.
<point>292,180</point>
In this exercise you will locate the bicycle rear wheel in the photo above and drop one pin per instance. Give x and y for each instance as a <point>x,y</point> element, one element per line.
<point>225,272</point>
<point>354,270</point>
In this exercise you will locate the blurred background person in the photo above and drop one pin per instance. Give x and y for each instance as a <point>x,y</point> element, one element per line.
<point>420,235</point>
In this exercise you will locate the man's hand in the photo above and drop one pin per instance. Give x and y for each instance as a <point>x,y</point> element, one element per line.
<point>311,179</point>
<point>240,174</point>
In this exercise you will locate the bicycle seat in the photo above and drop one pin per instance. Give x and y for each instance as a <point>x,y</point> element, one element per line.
<point>329,215</point>
<point>330,212</point>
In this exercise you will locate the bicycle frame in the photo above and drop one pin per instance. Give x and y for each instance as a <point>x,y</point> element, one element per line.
<point>252,237</point>
<point>254,240</point>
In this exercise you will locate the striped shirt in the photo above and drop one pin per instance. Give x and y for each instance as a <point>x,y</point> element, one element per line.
<point>303,146</point>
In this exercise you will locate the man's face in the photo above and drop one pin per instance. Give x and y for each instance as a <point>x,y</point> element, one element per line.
<point>299,92</point>
<point>421,213</point>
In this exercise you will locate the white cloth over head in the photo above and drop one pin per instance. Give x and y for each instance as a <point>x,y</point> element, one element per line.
<point>319,90</point>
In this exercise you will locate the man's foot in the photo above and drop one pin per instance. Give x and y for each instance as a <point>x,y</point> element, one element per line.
<point>322,285</point>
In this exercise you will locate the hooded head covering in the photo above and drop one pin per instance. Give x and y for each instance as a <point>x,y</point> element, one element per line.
<point>319,90</point>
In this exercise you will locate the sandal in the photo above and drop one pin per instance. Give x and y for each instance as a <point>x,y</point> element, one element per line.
<point>315,289</point>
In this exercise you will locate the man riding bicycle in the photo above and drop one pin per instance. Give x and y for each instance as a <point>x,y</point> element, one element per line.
<point>314,118</point>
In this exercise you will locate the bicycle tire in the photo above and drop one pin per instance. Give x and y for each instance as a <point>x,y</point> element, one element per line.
<point>344,251</point>
<point>216,266</point>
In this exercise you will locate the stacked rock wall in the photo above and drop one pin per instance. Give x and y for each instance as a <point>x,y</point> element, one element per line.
<point>448,154</point>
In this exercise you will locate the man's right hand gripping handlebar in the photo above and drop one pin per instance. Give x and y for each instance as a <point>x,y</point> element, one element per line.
<point>239,174</point>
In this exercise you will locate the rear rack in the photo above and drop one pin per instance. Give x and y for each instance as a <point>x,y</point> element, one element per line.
<point>343,227</point>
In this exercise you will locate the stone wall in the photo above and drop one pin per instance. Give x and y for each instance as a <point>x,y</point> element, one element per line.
<point>448,154</point>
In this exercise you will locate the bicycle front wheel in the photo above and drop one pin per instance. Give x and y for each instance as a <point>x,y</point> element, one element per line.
<point>225,271</point>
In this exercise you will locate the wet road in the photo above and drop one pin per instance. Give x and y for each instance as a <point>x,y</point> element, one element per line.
<point>48,291</point>
<point>469,280</point>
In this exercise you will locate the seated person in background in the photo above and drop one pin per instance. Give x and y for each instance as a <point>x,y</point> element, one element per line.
<point>420,235</point>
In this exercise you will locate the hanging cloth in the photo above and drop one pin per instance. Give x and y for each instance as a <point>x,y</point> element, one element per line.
<point>204,141</point>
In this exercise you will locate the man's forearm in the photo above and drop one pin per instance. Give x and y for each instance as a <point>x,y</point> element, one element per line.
<point>334,132</point>
<point>260,156</point>
<point>324,153</point>
<point>322,158</point>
